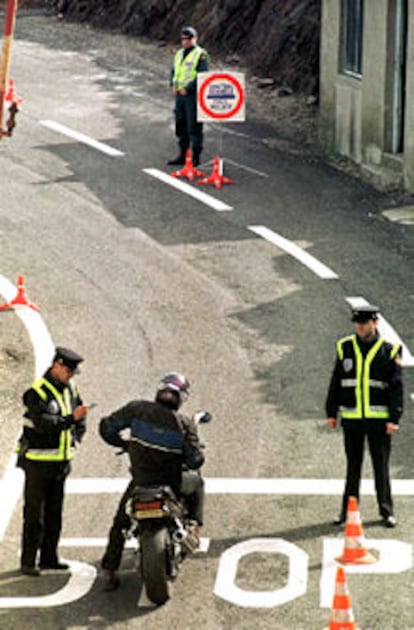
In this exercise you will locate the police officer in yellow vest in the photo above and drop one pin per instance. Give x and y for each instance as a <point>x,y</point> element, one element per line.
<point>366,392</point>
<point>54,422</point>
<point>188,61</point>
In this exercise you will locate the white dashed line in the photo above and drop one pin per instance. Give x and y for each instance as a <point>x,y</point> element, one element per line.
<point>208,200</point>
<point>287,246</point>
<point>81,137</point>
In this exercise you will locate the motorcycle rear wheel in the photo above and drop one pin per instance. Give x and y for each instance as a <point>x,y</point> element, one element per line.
<point>153,544</point>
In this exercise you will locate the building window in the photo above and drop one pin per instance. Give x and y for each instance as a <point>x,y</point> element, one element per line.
<point>353,23</point>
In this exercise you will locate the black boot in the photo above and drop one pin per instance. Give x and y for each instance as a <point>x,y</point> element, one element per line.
<point>179,160</point>
<point>196,157</point>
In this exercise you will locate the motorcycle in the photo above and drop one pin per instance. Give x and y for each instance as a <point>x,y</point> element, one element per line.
<point>164,533</point>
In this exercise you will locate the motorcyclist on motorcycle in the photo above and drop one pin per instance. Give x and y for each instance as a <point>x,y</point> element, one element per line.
<point>164,448</point>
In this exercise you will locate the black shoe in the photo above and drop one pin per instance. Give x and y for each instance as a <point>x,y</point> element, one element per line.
<point>32,571</point>
<point>339,520</point>
<point>389,521</point>
<point>55,566</point>
<point>178,161</point>
<point>111,580</point>
<point>196,158</point>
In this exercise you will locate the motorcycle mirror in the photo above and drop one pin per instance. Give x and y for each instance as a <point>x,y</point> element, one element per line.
<point>202,417</point>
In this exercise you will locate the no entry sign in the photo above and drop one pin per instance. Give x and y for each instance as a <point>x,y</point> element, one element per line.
<point>220,96</point>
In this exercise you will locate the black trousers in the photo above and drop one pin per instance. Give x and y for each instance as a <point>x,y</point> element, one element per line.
<point>192,490</point>
<point>42,511</point>
<point>113,553</point>
<point>379,444</point>
<point>188,131</point>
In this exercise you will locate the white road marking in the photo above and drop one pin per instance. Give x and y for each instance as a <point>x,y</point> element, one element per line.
<point>11,487</point>
<point>130,544</point>
<point>226,587</point>
<point>82,577</point>
<point>386,330</point>
<point>227,485</point>
<point>395,556</point>
<point>289,247</point>
<point>91,542</point>
<point>11,484</point>
<point>81,137</point>
<point>201,196</point>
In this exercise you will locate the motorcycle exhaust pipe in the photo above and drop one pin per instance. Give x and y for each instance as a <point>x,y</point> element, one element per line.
<point>180,533</point>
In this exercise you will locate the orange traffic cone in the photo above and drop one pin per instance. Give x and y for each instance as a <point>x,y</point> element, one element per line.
<point>11,97</point>
<point>342,617</point>
<point>216,177</point>
<point>189,171</point>
<point>21,298</point>
<point>354,548</point>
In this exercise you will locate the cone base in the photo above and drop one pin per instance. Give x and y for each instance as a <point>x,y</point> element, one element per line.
<point>189,173</point>
<point>368,558</point>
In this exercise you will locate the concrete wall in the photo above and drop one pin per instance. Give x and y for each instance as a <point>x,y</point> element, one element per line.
<point>409,107</point>
<point>329,61</point>
<point>356,114</point>
<point>374,76</point>
<point>348,91</point>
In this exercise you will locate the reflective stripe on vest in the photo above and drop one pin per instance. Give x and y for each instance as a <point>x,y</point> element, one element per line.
<point>362,382</point>
<point>348,382</point>
<point>378,384</point>
<point>185,69</point>
<point>65,450</point>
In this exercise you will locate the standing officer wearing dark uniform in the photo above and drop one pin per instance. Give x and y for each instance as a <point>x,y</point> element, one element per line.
<point>54,422</point>
<point>366,391</point>
<point>188,61</point>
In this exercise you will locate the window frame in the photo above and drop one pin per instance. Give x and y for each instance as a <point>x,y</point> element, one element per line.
<point>352,38</point>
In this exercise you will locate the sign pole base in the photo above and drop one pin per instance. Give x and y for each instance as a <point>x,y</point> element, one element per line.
<point>216,178</point>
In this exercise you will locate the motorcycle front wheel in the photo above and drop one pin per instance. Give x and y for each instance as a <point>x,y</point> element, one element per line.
<point>153,544</point>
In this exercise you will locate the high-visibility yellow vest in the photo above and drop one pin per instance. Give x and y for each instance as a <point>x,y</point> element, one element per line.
<point>185,69</point>
<point>363,390</point>
<point>64,450</point>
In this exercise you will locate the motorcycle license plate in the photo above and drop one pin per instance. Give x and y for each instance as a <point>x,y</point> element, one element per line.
<point>151,509</point>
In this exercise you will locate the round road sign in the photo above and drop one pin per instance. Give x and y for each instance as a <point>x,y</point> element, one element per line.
<point>221,96</point>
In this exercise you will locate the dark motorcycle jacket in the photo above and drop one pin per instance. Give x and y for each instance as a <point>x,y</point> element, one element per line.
<point>160,442</point>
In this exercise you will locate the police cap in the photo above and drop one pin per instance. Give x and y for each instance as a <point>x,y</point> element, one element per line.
<point>67,357</point>
<point>363,314</point>
<point>188,31</point>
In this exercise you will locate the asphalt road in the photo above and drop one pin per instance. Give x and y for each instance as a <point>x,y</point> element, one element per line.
<point>141,279</point>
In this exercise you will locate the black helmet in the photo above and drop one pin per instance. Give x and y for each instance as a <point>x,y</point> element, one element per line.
<point>175,383</point>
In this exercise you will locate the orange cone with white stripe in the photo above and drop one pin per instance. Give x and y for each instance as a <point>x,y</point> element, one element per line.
<point>189,171</point>
<point>11,96</point>
<point>21,298</point>
<point>354,549</point>
<point>342,617</point>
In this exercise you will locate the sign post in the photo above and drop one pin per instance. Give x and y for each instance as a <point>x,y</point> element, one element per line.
<point>8,30</point>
